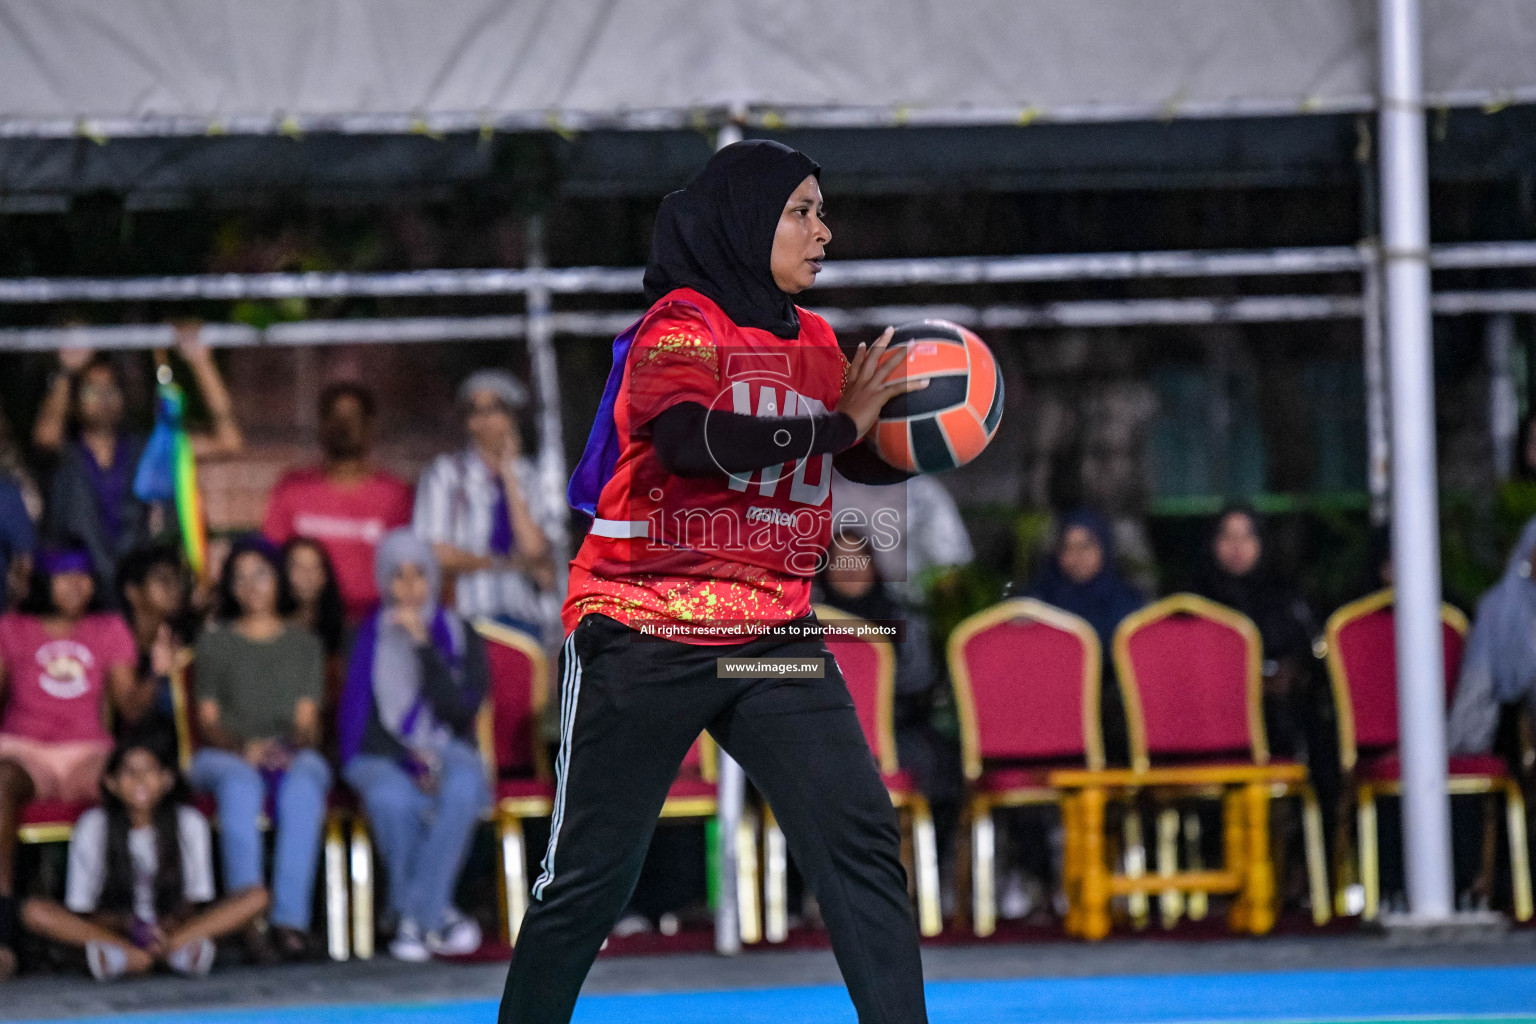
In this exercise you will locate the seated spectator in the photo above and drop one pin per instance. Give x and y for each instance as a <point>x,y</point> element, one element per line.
<point>152,592</point>
<point>259,687</point>
<point>1237,573</point>
<point>1081,578</point>
<point>17,542</point>
<point>316,596</point>
<point>317,607</point>
<point>489,518</point>
<point>139,887</point>
<point>81,426</point>
<point>1499,665</point>
<point>923,540</point>
<point>416,680</point>
<point>65,667</point>
<point>347,503</point>
<point>852,583</point>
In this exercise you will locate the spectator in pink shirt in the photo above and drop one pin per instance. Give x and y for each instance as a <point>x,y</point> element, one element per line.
<point>63,665</point>
<point>346,503</point>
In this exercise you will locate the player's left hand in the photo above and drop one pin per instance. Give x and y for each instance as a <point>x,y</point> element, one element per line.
<point>871,384</point>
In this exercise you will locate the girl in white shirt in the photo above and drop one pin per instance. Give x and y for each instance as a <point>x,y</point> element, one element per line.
<point>139,889</point>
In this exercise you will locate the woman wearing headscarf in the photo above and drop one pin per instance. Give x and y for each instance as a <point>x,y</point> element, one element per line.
<point>1237,573</point>
<point>1081,578</point>
<point>708,477</point>
<point>407,722</point>
<point>1499,665</point>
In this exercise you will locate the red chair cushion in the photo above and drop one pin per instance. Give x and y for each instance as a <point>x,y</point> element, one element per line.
<point>859,662</point>
<point>1192,676</point>
<point>514,789</point>
<point>1389,767</point>
<point>1368,651</point>
<point>1027,687</point>
<point>899,782</point>
<point>53,812</point>
<point>1003,780</point>
<point>690,786</point>
<point>513,724</point>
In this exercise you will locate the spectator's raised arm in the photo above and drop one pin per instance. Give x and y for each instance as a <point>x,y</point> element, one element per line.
<point>226,437</point>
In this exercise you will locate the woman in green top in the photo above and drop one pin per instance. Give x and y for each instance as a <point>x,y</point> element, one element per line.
<point>259,687</point>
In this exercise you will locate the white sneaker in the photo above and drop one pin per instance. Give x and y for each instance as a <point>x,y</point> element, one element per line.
<point>1014,901</point>
<point>194,960</point>
<point>632,924</point>
<point>108,962</point>
<point>669,924</point>
<point>459,935</point>
<point>408,945</point>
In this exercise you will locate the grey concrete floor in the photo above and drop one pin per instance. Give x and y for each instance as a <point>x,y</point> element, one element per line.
<point>45,996</point>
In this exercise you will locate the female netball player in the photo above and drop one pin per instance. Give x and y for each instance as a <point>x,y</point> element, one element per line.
<point>707,476</point>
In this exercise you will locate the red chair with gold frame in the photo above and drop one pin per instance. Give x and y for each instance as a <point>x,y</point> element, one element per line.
<point>516,759</point>
<point>523,784</point>
<point>868,665</point>
<point>695,794</point>
<point>340,904</point>
<point>1362,663</point>
<point>1191,671</point>
<point>1026,677</point>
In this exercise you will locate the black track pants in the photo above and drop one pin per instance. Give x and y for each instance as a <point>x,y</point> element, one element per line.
<point>630,709</point>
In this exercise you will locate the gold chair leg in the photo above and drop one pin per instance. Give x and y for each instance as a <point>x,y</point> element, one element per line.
<point>337,936</point>
<point>1519,852</point>
<point>514,875</point>
<point>1261,866</point>
<point>775,880</point>
<point>748,911</point>
<point>1136,867</point>
<point>1072,860</point>
<point>360,861</point>
<point>983,871</point>
<point>1198,903</point>
<point>1095,877</point>
<point>1370,866</point>
<point>1317,859</point>
<point>925,857</point>
<point>1170,902</point>
<point>1234,826</point>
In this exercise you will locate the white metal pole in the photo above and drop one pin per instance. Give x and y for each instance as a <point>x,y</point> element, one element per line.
<point>1415,506</point>
<point>732,783</point>
<point>1503,402</point>
<point>1378,447</point>
<point>546,380</point>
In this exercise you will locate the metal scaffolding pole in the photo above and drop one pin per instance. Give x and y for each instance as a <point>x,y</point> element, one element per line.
<point>1415,503</point>
<point>1503,401</point>
<point>732,788</point>
<point>1378,448</point>
<point>546,381</point>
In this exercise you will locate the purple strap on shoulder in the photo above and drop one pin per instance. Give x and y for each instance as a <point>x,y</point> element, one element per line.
<point>602,450</point>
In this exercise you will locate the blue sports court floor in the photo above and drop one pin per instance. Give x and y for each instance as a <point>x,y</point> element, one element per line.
<point>1417,994</point>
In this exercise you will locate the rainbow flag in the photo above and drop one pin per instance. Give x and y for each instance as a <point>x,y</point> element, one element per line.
<point>168,472</point>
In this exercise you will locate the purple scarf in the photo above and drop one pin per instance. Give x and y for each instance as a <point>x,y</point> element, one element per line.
<point>357,700</point>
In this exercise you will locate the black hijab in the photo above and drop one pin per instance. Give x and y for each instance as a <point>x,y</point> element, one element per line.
<point>1274,605</point>
<point>716,235</point>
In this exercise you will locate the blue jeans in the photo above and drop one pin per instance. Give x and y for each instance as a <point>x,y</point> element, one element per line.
<point>241,793</point>
<point>422,837</point>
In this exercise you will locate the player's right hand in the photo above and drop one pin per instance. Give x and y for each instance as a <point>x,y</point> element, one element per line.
<point>871,384</point>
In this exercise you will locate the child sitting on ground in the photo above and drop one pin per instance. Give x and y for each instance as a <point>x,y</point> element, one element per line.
<point>139,888</point>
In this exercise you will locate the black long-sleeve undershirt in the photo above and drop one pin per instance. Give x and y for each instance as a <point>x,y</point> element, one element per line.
<point>739,443</point>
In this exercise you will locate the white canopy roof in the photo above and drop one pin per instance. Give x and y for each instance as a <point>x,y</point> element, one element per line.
<point>177,67</point>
